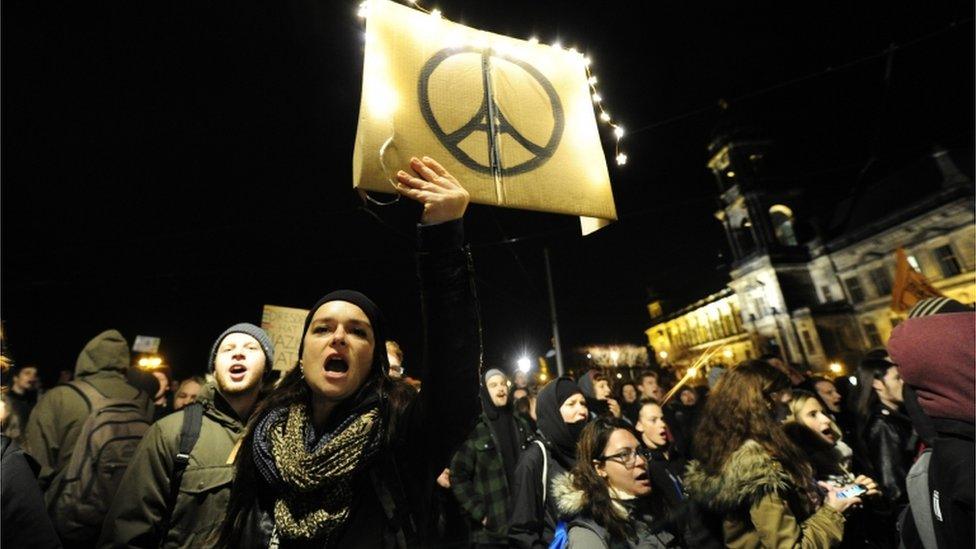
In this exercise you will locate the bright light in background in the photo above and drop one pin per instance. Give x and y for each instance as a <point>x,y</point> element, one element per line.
<point>588,355</point>
<point>524,364</point>
<point>663,354</point>
<point>150,362</point>
<point>533,40</point>
<point>621,159</point>
<point>614,355</point>
<point>835,367</point>
<point>620,376</point>
<point>543,377</point>
<point>728,354</point>
<point>692,372</point>
<point>853,380</point>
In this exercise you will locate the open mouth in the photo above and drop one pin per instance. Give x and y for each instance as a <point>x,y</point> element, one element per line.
<point>336,365</point>
<point>237,372</point>
<point>642,477</point>
<point>827,433</point>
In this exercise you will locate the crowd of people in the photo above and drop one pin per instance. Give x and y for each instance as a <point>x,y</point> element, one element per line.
<point>344,451</point>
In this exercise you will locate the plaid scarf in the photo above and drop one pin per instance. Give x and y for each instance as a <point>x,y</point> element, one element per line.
<point>313,480</point>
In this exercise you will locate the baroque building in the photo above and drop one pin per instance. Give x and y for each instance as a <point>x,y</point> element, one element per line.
<point>811,292</point>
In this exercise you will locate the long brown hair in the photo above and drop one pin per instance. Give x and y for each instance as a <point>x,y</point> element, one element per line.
<point>738,409</point>
<point>596,489</point>
<point>394,397</point>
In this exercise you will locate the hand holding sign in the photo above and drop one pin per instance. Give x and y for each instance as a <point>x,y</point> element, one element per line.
<point>444,199</point>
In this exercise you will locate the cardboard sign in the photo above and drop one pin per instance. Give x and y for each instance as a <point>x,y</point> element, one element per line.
<point>512,120</point>
<point>284,327</point>
<point>146,344</point>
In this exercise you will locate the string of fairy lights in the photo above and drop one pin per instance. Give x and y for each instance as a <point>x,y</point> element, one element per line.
<point>602,113</point>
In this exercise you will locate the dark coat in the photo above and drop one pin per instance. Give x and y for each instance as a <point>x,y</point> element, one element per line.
<point>533,518</point>
<point>890,442</point>
<point>22,510</point>
<point>480,484</point>
<point>433,424</point>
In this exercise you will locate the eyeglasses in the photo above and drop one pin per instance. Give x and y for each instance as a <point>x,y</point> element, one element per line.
<point>627,457</point>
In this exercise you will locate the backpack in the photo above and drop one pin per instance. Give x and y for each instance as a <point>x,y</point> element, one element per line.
<point>103,450</point>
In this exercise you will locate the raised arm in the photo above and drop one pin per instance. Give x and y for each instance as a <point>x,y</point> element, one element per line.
<point>448,403</point>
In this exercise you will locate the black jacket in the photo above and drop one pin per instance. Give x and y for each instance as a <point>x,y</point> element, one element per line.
<point>433,425</point>
<point>24,517</point>
<point>890,442</point>
<point>533,520</point>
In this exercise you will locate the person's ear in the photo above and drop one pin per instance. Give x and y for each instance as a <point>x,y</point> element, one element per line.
<point>601,469</point>
<point>878,385</point>
<point>639,426</point>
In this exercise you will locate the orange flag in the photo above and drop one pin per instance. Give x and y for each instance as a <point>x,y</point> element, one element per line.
<point>910,285</point>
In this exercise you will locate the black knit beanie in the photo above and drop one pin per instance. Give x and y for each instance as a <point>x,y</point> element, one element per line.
<point>373,313</point>
<point>257,333</point>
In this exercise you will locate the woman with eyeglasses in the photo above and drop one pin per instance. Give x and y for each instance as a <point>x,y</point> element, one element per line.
<point>608,492</point>
<point>750,483</point>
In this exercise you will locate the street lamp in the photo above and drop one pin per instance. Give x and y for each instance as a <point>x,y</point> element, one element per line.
<point>835,367</point>
<point>614,355</point>
<point>663,355</point>
<point>524,364</point>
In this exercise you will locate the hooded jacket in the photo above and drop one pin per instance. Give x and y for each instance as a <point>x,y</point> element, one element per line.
<point>585,533</point>
<point>756,504</point>
<point>57,419</point>
<point>139,513</point>
<point>479,482</point>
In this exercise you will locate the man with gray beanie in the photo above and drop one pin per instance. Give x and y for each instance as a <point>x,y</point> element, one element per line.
<point>176,490</point>
<point>484,466</point>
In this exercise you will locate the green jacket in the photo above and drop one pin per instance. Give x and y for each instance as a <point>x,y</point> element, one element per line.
<point>137,517</point>
<point>758,505</point>
<point>479,483</point>
<point>56,421</point>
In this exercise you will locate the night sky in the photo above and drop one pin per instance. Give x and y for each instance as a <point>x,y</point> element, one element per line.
<point>170,167</point>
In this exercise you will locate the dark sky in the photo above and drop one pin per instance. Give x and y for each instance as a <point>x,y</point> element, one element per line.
<point>169,167</point>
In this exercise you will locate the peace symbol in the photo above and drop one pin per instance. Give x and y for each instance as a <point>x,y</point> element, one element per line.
<point>487,110</point>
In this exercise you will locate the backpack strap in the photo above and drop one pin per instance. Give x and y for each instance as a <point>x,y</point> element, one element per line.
<point>189,434</point>
<point>93,397</point>
<point>545,468</point>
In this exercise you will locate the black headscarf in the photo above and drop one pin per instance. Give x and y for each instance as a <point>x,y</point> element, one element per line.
<point>586,385</point>
<point>501,421</point>
<point>562,436</point>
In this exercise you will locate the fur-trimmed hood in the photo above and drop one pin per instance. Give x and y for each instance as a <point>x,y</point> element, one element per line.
<point>749,474</point>
<point>571,501</point>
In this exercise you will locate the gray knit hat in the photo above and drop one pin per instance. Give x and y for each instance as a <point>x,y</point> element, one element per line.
<point>253,331</point>
<point>492,373</point>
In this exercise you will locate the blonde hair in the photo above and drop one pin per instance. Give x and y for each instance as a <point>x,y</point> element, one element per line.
<point>800,399</point>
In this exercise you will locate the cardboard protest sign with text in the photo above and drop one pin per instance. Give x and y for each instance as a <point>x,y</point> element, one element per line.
<point>284,327</point>
<point>512,120</point>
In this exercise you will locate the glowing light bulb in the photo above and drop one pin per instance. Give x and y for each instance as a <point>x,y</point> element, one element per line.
<point>621,159</point>
<point>618,131</point>
<point>597,98</point>
<point>592,80</point>
<point>605,116</point>
<point>692,372</point>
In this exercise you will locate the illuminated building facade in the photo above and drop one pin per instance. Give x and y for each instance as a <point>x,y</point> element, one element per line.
<point>813,294</point>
